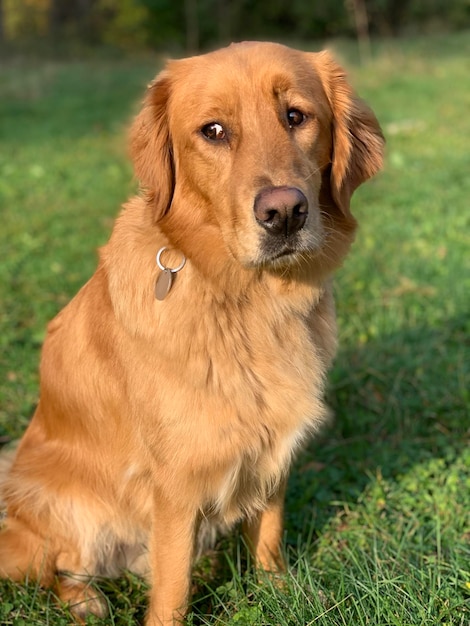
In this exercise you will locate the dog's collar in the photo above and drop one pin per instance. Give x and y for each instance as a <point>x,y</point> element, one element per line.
<point>165,278</point>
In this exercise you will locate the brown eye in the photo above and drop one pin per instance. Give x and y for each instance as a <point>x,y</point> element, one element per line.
<point>214,132</point>
<point>295,117</point>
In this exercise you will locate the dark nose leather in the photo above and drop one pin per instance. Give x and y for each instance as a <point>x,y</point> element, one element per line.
<point>282,211</point>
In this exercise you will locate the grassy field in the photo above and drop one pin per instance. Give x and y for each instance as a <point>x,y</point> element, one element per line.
<point>378,508</point>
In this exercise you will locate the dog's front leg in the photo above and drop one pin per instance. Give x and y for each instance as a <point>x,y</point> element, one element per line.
<point>263,534</point>
<point>171,556</point>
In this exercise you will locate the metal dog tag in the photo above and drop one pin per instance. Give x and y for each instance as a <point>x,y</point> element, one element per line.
<point>163,284</point>
<point>165,279</point>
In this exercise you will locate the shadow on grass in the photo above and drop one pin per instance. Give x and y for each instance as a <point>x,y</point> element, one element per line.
<point>397,402</point>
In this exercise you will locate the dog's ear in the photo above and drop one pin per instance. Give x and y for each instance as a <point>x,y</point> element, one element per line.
<point>150,146</point>
<point>358,142</point>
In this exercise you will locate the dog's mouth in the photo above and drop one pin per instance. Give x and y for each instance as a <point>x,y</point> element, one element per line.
<point>272,251</point>
<point>284,253</point>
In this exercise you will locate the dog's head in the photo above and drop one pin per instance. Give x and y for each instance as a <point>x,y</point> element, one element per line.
<point>254,151</point>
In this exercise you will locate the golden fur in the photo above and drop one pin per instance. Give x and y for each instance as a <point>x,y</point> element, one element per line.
<point>158,418</point>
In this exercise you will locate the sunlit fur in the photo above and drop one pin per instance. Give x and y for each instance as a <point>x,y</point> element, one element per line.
<point>157,417</point>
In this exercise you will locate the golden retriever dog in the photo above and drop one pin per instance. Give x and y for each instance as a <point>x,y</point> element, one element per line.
<point>178,384</point>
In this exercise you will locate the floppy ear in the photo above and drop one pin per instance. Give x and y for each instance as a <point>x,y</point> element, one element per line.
<point>151,149</point>
<point>358,143</point>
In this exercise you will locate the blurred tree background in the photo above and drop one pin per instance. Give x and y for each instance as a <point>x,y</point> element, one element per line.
<point>193,25</point>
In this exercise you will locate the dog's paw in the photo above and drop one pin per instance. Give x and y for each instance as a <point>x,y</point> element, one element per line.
<point>81,597</point>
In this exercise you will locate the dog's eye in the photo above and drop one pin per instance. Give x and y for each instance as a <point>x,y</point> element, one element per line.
<point>295,117</point>
<point>214,132</point>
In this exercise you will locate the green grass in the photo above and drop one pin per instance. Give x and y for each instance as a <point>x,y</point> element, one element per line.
<point>377,519</point>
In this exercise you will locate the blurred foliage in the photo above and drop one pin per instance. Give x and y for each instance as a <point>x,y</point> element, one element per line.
<point>194,24</point>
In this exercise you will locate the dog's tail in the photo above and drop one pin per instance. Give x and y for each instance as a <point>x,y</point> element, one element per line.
<point>22,552</point>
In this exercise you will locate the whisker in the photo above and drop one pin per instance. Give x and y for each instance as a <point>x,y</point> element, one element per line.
<point>312,173</point>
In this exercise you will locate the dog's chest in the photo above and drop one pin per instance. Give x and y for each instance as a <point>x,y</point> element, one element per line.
<point>249,393</point>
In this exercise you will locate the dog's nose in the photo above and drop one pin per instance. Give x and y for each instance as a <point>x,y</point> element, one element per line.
<point>281,210</point>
